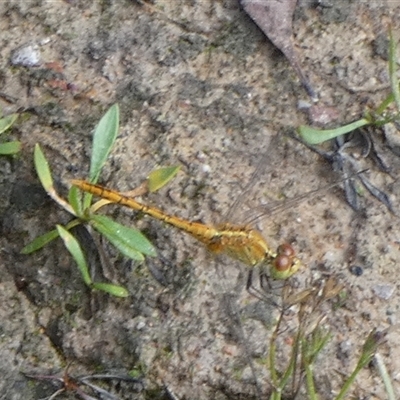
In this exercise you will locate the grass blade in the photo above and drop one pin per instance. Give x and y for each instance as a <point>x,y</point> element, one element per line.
<point>385,104</point>
<point>369,349</point>
<point>385,376</point>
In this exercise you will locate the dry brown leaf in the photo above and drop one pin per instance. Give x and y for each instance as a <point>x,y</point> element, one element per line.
<point>274,18</point>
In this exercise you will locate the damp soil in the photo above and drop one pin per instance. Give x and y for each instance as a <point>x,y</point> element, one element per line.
<point>199,86</point>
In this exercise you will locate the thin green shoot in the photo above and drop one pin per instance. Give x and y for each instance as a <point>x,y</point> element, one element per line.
<point>385,376</point>
<point>369,349</point>
<point>312,346</point>
<point>380,116</point>
<point>310,339</point>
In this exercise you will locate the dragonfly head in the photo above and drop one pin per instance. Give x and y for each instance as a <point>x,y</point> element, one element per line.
<point>285,264</point>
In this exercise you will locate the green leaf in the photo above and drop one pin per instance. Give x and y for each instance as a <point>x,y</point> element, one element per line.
<point>115,290</point>
<point>40,242</point>
<point>316,136</point>
<point>160,177</point>
<point>44,173</point>
<point>135,373</point>
<point>76,251</point>
<point>43,169</point>
<point>128,241</point>
<point>10,148</point>
<point>103,141</point>
<point>75,200</point>
<point>7,121</point>
<point>385,103</point>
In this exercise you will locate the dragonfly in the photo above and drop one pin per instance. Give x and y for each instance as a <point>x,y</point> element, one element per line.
<point>240,242</point>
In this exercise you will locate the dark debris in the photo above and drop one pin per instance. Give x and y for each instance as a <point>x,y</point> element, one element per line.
<point>67,383</point>
<point>347,158</point>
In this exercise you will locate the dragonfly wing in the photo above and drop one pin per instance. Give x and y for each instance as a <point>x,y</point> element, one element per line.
<point>261,168</point>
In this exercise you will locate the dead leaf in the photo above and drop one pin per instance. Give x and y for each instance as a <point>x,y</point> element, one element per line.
<point>274,18</point>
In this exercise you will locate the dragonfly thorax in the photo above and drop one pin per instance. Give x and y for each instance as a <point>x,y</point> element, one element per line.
<point>247,245</point>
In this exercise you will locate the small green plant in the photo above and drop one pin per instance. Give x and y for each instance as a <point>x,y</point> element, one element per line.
<point>8,148</point>
<point>129,241</point>
<point>309,341</point>
<point>381,116</point>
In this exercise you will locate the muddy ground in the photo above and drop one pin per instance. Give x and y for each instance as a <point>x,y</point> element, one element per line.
<point>200,86</point>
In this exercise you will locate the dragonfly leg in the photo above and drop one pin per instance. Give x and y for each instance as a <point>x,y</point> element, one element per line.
<point>265,283</point>
<point>251,289</point>
<point>260,293</point>
<point>249,283</point>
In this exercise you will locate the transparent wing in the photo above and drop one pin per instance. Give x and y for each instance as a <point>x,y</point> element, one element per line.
<point>240,200</point>
<point>265,211</point>
<point>248,207</point>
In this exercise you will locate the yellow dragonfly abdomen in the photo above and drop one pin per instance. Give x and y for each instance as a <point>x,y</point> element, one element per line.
<point>242,243</point>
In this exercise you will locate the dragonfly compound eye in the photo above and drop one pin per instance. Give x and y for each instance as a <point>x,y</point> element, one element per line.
<point>282,262</point>
<point>286,250</point>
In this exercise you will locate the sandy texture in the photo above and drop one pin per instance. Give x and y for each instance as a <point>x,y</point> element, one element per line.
<point>199,86</point>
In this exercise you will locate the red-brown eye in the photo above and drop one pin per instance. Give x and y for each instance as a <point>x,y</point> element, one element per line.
<point>286,250</point>
<point>282,262</point>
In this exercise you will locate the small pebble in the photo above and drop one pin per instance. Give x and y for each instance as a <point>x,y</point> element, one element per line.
<point>206,168</point>
<point>383,291</point>
<point>356,270</point>
<point>140,325</point>
<point>321,115</point>
<point>27,56</point>
<point>303,105</point>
